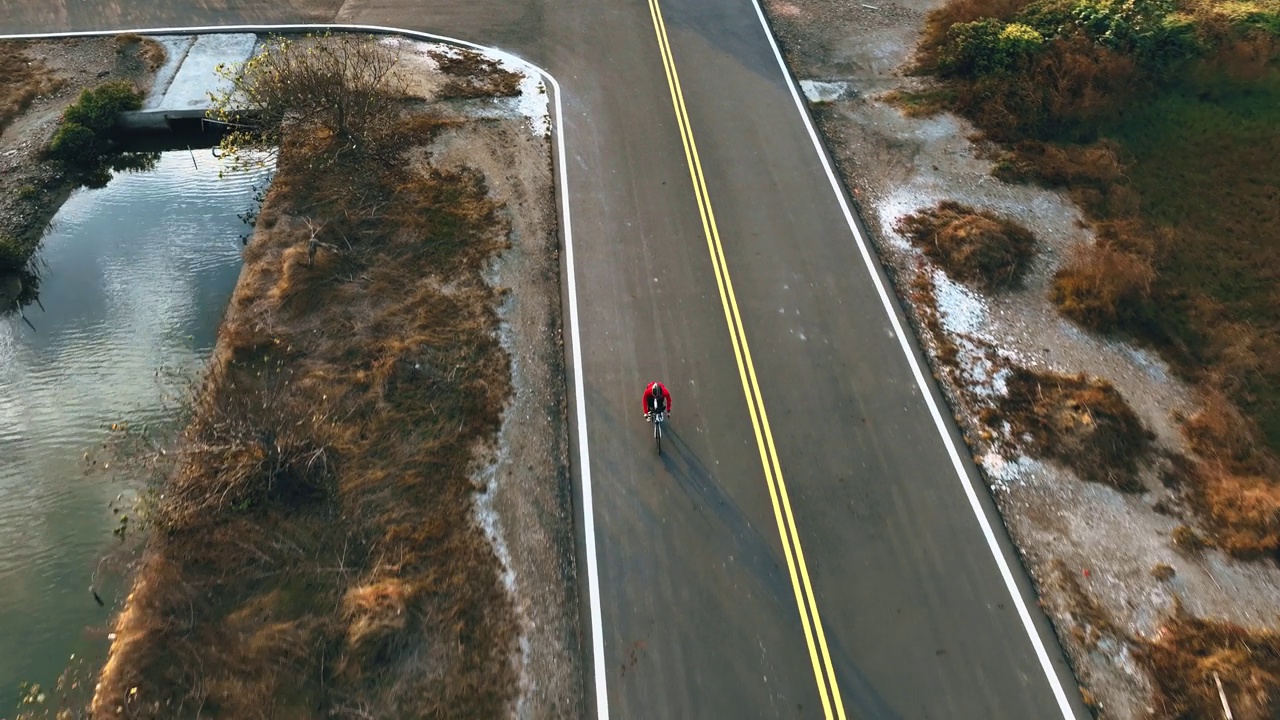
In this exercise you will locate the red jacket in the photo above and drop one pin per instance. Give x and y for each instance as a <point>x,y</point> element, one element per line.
<point>649,392</point>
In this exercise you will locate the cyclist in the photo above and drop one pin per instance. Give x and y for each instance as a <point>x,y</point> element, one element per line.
<point>656,399</point>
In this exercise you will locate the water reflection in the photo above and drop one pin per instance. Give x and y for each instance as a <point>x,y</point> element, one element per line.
<point>22,288</point>
<point>136,276</point>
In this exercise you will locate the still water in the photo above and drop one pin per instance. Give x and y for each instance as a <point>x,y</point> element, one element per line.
<point>136,277</point>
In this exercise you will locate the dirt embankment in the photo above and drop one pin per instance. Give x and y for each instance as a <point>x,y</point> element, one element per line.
<point>38,81</point>
<point>1117,396</point>
<point>370,516</point>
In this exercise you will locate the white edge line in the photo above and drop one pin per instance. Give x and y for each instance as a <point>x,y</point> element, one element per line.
<point>588,511</point>
<point>872,265</point>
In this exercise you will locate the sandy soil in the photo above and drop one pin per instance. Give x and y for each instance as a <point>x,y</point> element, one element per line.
<point>1087,546</point>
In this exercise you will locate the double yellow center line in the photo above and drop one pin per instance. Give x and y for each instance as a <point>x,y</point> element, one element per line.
<point>823,671</point>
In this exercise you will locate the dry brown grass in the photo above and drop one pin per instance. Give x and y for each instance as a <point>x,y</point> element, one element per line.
<point>1081,422</point>
<point>1188,540</point>
<point>1189,652</point>
<point>1093,174</point>
<point>1233,483</point>
<point>22,80</point>
<point>1249,58</point>
<point>1103,287</point>
<point>316,553</point>
<point>973,246</point>
<point>148,52</point>
<point>473,75</point>
<point>924,299</point>
<point>921,103</point>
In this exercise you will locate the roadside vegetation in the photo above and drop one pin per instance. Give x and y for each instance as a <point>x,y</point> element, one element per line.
<point>1162,119</point>
<point>976,247</point>
<point>22,80</point>
<point>1190,657</point>
<point>1081,422</point>
<point>315,553</point>
<point>1186,658</point>
<point>131,47</point>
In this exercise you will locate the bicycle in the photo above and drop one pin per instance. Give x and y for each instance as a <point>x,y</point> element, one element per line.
<point>659,419</point>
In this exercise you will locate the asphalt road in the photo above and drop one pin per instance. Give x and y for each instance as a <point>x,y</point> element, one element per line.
<point>795,383</point>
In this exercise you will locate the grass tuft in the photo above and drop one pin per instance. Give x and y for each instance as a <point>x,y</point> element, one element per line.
<point>472,75</point>
<point>973,246</point>
<point>22,80</point>
<point>132,46</point>
<point>1190,656</point>
<point>1081,422</point>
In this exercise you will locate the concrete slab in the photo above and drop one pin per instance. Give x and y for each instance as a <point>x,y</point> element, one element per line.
<point>198,77</point>
<point>183,85</point>
<point>175,47</point>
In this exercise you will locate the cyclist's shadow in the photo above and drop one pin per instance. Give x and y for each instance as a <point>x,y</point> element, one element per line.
<point>696,480</point>
<point>756,554</point>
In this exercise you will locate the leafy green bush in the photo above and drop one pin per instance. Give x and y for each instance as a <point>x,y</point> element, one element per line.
<point>1050,18</point>
<point>76,146</point>
<point>1266,20</point>
<point>1124,25</point>
<point>83,143</point>
<point>1172,42</point>
<point>988,46</point>
<point>97,108</point>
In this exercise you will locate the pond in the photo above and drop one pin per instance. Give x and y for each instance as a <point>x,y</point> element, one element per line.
<point>135,279</point>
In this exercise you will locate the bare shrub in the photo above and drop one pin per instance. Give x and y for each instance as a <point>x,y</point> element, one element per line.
<point>1218,431</point>
<point>1249,58</point>
<point>1234,485</point>
<point>1186,539</point>
<point>1070,83</point>
<point>1243,510</point>
<point>149,53</point>
<point>1093,174</point>
<point>340,86</point>
<point>1084,83</point>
